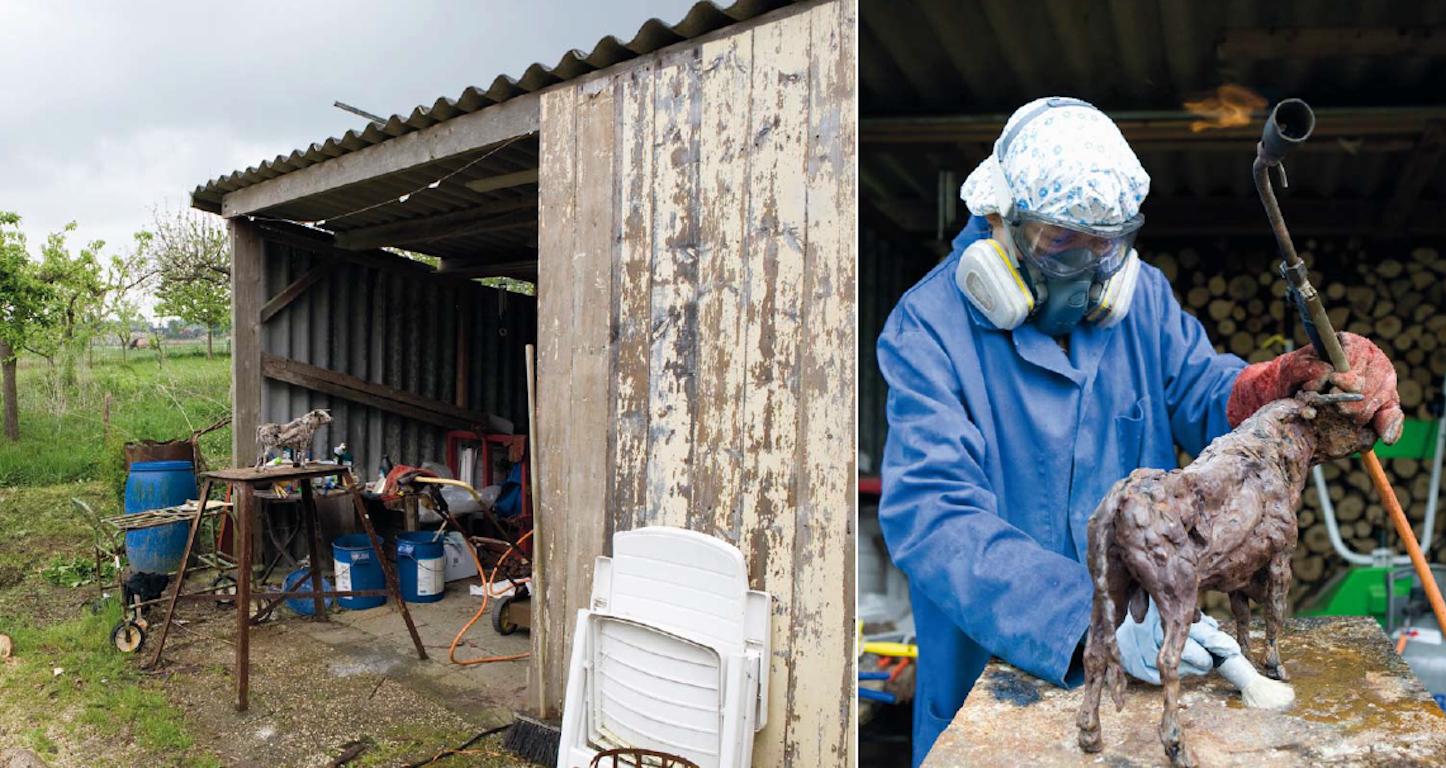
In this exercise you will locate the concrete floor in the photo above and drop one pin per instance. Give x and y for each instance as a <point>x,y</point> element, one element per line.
<point>485,691</point>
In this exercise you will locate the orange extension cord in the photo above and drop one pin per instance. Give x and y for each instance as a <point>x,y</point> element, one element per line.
<point>486,598</point>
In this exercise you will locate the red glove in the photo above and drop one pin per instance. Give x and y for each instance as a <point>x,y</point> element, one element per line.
<point>1371,375</point>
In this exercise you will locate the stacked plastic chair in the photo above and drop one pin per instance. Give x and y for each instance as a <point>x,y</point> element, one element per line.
<point>671,654</point>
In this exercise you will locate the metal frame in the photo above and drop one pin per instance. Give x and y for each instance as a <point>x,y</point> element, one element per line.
<point>243,483</point>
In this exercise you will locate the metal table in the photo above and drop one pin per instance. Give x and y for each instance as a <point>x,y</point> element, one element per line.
<point>244,482</point>
<point>1357,704</point>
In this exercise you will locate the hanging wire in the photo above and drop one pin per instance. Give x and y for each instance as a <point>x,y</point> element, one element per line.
<point>401,198</point>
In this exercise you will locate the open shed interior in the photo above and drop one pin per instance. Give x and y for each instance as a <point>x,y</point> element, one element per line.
<point>1189,84</point>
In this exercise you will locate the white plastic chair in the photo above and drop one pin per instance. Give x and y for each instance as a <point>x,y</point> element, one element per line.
<point>671,655</point>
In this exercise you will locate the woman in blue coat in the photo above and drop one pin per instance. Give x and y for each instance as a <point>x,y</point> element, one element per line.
<point>1038,364</point>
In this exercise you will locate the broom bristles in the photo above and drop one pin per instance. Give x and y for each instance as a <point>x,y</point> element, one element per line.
<point>533,740</point>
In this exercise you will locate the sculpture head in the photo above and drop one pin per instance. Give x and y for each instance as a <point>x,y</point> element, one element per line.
<point>1337,434</point>
<point>317,417</point>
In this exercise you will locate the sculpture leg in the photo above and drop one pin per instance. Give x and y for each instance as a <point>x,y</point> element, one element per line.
<point>1175,615</point>
<point>1278,590</point>
<point>1240,606</point>
<point>1096,661</point>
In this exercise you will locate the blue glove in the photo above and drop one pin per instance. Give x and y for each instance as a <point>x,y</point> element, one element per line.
<point>1140,646</point>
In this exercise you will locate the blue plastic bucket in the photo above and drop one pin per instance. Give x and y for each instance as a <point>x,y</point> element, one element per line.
<point>421,566</point>
<point>357,567</point>
<point>155,485</point>
<point>299,581</point>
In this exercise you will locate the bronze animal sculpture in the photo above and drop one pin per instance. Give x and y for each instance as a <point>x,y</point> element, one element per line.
<point>1226,522</point>
<point>295,434</point>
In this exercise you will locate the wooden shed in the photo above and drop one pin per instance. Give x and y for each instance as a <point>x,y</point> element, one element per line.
<point>686,202</point>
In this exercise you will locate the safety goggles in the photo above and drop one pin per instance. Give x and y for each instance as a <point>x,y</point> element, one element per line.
<point>1063,250</point>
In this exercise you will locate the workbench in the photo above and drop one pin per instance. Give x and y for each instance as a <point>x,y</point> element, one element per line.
<point>1357,704</point>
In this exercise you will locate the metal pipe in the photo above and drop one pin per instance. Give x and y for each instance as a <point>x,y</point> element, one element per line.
<point>1289,124</point>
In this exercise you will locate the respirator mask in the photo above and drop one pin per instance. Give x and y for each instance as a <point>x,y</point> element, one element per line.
<point>1051,272</point>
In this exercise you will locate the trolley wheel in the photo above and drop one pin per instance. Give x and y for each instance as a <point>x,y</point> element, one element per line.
<point>128,636</point>
<point>224,587</point>
<point>500,621</point>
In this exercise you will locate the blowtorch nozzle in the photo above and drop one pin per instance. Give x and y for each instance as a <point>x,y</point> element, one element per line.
<point>1289,124</point>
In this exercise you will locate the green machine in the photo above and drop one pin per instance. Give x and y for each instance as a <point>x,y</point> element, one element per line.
<point>1363,590</point>
<point>1382,584</point>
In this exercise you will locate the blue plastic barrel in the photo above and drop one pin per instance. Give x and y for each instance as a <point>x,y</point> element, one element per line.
<point>299,581</point>
<point>421,566</point>
<point>357,567</point>
<point>155,485</point>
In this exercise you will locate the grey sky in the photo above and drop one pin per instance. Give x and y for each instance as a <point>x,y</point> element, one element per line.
<point>108,109</point>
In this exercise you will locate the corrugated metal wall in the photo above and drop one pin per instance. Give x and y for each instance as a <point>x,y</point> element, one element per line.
<point>697,325</point>
<point>396,329</point>
<point>887,268</point>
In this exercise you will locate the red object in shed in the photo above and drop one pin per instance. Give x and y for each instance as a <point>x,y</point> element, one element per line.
<point>516,453</point>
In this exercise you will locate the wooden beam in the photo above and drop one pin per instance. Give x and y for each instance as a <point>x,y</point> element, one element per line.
<point>1257,44</point>
<point>1217,216</point>
<point>1144,127</point>
<point>380,396</point>
<point>247,252</point>
<point>292,292</point>
<point>483,128</point>
<point>431,227</point>
<point>431,230</point>
<point>1419,169</point>
<point>523,268</point>
<point>323,243</point>
<point>504,181</point>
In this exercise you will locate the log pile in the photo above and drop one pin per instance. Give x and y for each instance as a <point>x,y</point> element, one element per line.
<point>1394,296</point>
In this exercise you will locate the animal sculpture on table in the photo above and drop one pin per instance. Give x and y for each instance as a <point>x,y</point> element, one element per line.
<point>1226,522</point>
<point>295,434</point>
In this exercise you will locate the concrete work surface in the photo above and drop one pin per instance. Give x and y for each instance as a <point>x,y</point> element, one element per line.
<point>1357,704</point>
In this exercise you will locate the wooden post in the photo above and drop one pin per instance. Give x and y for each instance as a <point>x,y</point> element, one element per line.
<point>247,253</point>
<point>313,543</point>
<point>245,507</point>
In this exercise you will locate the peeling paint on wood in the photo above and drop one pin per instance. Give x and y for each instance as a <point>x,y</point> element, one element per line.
<point>777,228</point>
<point>823,554</point>
<point>673,362</point>
<point>716,505</point>
<point>728,303</point>
<point>556,308</point>
<point>632,275</point>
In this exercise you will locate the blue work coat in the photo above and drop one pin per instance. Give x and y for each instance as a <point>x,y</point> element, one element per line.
<point>1000,446</point>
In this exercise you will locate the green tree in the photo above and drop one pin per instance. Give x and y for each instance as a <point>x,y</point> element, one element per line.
<point>77,300</point>
<point>193,258</point>
<point>126,278</point>
<point>25,300</point>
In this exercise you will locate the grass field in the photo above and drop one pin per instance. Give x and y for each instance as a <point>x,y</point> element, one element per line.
<point>63,437</point>
<point>65,694</point>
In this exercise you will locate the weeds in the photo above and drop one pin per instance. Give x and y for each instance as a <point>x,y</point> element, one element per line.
<point>64,437</point>
<point>77,571</point>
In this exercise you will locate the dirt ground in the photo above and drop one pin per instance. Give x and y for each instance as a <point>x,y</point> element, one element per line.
<point>317,687</point>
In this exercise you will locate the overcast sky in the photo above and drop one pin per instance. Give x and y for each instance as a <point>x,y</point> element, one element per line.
<point>108,109</point>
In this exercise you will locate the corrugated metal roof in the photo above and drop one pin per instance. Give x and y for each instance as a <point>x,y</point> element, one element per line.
<point>702,18</point>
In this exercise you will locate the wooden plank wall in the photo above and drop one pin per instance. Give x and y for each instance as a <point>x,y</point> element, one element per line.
<point>697,340</point>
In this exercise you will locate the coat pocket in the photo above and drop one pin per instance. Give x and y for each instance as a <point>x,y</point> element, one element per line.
<point>1130,436</point>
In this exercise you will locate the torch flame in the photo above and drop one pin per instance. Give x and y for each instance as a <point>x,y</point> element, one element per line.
<point>1230,106</point>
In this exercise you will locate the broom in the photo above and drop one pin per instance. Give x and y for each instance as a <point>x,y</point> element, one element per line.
<point>529,738</point>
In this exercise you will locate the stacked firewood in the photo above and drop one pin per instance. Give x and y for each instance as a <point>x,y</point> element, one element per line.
<point>1397,298</point>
